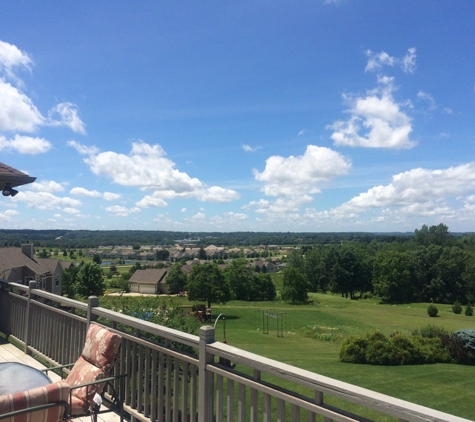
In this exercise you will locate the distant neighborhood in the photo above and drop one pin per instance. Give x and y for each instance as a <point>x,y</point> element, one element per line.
<point>22,265</point>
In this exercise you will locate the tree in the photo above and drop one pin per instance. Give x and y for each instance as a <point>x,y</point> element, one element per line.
<point>295,285</point>
<point>90,280</point>
<point>162,254</point>
<point>240,277</point>
<point>262,288</point>
<point>202,254</point>
<point>97,259</point>
<point>393,278</point>
<point>176,279</point>
<point>207,282</point>
<point>68,283</point>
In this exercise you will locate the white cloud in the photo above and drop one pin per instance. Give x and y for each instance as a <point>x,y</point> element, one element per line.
<point>17,111</point>
<point>83,149</point>
<point>8,215</point>
<point>11,57</point>
<point>147,168</point>
<point>408,62</point>
<point>414,194</point>
<point>198,216</point>
<point>121,211</point>
<point>376,61</point>
<point>25,144</point>
<point>109,196</point>
<point>248,148</point>
<point>66,114</point>
<point>217,194</point>
<point>297,176</point>
<point>72,211</point>
<point>78,191</point>
<point>46,186</point>
<point>376,121</point>
<point>428,98</point>
<point>46,200</point>
<point>151,201</point>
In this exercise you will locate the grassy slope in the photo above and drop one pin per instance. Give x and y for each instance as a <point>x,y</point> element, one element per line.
<point>448,388</point>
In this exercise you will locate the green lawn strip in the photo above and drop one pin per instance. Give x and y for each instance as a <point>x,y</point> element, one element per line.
<point>443,386</point>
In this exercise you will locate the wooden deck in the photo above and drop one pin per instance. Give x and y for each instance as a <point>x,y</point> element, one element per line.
<point>10,353</point>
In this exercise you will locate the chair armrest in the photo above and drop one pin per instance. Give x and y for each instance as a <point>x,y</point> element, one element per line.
<point>36,409</point>
<point>55,368</point>
<point>100,381</point>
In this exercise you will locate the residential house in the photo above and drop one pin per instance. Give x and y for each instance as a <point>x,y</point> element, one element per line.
<point>20,265</point>
<point>149,281</point>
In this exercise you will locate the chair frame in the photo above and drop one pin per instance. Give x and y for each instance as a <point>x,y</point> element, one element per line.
<point>114,403</point>
<point>37,408</point>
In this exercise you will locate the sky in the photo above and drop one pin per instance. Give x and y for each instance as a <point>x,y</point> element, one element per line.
<point>274,116</point>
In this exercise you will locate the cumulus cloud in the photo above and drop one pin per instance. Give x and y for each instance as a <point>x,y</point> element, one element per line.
<point>297,176</point>
<point>414,194</point>
<point>376,120</point>
<point>83,149</point>
<point>46,200</point>
<point>46,186</point>
<point>109,196</point>
<point>8,215</point>
<point>17,111</point>
<point>78,191</point>
<point>121,211</point>
<point>217,194</point>
<point>25,145</point>
<point>66,114</point>
<point>147,168</point>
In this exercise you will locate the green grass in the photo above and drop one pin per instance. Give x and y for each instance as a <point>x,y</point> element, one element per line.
<point>312,336</point>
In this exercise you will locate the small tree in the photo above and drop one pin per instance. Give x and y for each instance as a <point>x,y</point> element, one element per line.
<point>97,259</point>
<point>90,280</point>
<point>295,285</point>
<point>68,283</point>
<point>432,310</point>
<point>469,310</point>
<point>457,308</point>
<point>207,282</point>
<point>176,279</point>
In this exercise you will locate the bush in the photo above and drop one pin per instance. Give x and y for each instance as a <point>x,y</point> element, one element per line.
<point>397,349</point>
<point>468,338</point>
<point>432,310</point>
<point>457,308</point>
<point>353,349</point>
<point>469,310</point>
<point>430,331</point>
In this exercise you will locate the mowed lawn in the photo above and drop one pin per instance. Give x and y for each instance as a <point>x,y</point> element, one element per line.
<point>312,335</point>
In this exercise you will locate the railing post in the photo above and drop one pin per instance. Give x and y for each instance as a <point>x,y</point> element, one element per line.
<point>92,302</point>
<point>205,399</point>
<point>31,286</point>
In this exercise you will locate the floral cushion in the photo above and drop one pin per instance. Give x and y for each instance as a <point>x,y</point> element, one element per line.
<point>51,393</point>
<point>84,372</point>
<point>101,347</point>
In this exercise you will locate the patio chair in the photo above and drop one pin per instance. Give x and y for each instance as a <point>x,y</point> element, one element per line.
<point>90,374</point>
<point>41,404</point>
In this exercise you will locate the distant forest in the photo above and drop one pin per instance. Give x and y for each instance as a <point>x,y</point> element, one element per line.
<point>95,238</point>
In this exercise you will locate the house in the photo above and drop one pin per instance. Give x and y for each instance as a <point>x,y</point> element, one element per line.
<point>149,281</point>
<point>19,265</point>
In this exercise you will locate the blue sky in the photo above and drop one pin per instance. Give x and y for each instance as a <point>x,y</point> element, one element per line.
<point>341,115</point>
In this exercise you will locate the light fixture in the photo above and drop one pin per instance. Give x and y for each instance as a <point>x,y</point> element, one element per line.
<point>8,190</point>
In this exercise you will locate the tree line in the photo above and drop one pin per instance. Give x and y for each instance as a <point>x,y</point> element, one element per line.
<point>433,267</point>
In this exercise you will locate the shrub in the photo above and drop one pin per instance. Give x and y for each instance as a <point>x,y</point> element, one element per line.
<point>457,308</point>
<point>430,331</point>
<point>469,310</point>
<point>353,349</point>
<point>468,338</point>
<point>432,310</point>
<point>397,349</point>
